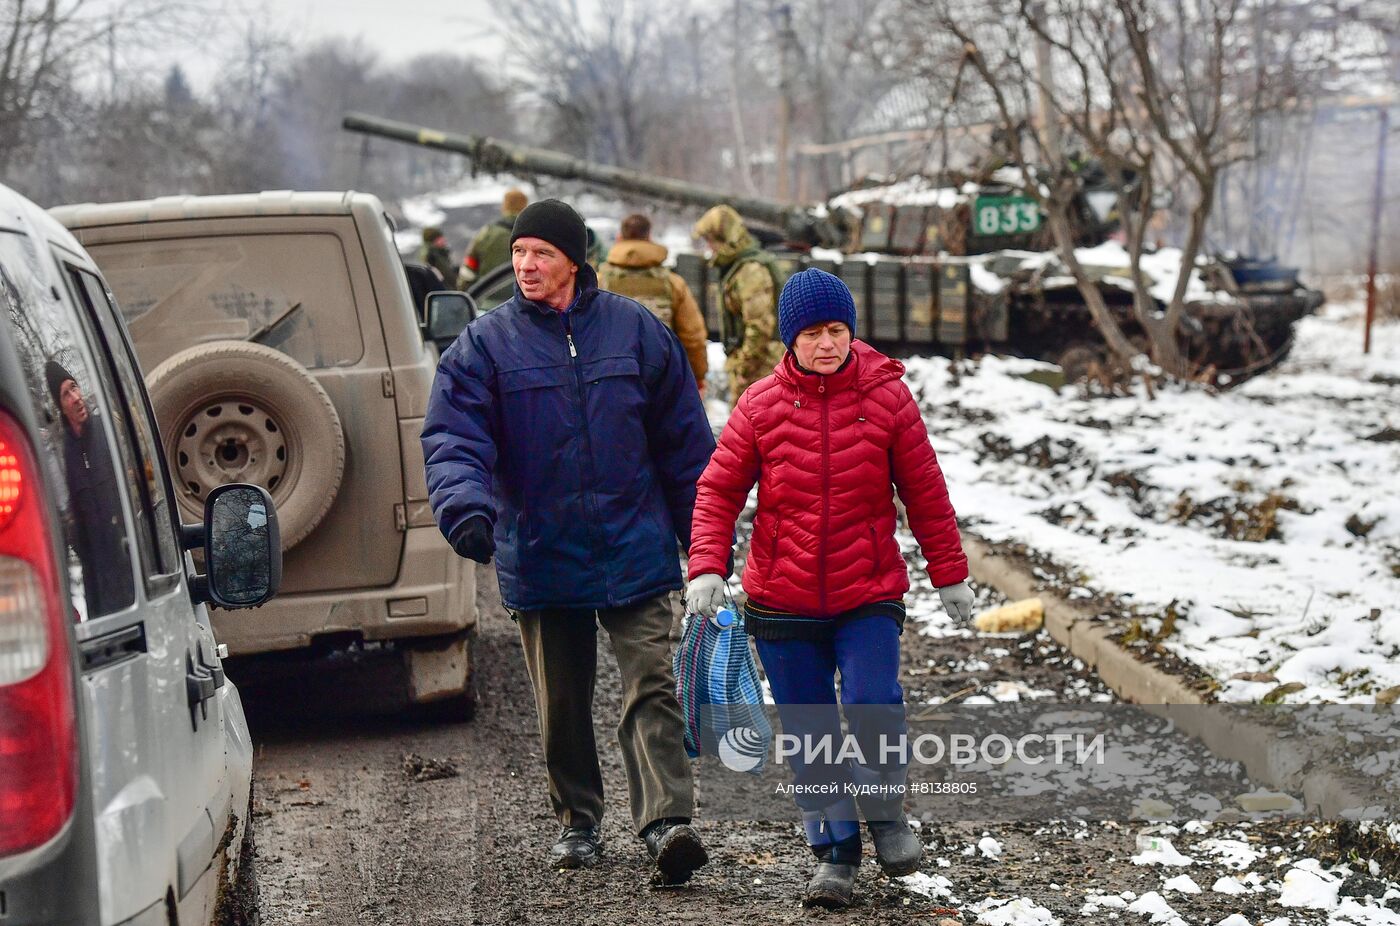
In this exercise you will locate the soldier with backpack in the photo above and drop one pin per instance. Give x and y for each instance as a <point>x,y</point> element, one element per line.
<point>751,280</point>
<point>635,268</point>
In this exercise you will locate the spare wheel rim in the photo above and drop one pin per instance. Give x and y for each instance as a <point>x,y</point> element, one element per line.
<point>235,439</point>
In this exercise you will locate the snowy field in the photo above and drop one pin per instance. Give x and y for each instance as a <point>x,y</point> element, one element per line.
<point>1265,517</point>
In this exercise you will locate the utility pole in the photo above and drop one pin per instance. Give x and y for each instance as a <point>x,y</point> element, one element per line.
<point>784,15</point>
<point>741,148</point>
<point>1376,199</point>
<point>1044,75</point>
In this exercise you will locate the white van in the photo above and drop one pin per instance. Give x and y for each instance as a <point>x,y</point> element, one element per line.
<point>125,762</point>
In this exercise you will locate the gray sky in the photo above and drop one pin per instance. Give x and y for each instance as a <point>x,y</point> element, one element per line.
<point>396,29</point>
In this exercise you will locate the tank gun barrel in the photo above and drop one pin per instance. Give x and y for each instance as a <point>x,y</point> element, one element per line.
<point>815,227</point>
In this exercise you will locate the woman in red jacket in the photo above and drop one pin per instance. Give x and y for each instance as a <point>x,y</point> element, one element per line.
<point>829,437</point>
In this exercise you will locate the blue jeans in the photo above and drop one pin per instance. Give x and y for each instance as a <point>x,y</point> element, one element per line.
<point>802,674</point>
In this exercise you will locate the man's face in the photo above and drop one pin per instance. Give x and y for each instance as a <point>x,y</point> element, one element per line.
<point>70,402</point>
<point>823,347</point>
<point>543,273</point>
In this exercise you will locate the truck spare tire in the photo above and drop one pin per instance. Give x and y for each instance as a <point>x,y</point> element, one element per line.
<point>234,411</point>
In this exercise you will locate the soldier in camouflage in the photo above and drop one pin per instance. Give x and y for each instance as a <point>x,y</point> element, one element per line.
<point>435,253</point>
<point>751,281</point>
<point>491,246</point>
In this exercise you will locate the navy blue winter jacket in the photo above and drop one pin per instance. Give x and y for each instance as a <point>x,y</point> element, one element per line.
<point>580,435</point>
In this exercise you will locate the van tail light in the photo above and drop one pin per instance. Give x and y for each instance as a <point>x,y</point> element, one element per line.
<point>38,730</point>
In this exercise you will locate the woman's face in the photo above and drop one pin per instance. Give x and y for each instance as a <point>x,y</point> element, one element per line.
<point>823,347</point>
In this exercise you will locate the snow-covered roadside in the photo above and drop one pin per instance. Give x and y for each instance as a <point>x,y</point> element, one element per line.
<point>1265,517</point>
<point>1211,874</point>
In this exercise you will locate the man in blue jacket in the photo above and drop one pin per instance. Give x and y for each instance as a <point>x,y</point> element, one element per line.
<point>565,434</point>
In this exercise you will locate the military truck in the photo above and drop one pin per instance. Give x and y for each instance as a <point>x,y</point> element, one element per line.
<point>952,267</point>
<point>282,348</point>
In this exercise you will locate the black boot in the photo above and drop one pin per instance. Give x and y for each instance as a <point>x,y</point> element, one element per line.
<point>834,880</point>
<point>578,847</point>
<point>831,886</point>
<point>897,846</point>
<point>676,849</point>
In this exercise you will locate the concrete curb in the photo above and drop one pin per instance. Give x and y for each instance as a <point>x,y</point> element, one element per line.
<point>1284,764</point>
<point>1080,632</point>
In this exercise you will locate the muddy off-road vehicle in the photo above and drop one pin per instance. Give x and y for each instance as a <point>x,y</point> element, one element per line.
<point>282,348</point>
<point>954,265</point>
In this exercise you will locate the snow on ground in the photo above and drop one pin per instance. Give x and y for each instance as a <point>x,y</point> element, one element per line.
<point>1264,516</point>
<point>1286,881</point>
<point>1281,432</point>
<point>1016,912</point>
<point>1112,261</point>
<point>431,208</point>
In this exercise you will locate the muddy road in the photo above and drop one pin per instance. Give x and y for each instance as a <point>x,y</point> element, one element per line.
<point>347,835</point>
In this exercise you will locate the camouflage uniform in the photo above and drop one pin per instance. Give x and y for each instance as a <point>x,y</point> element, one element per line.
<point>749,320</point>
<point>596,253</point>
<point>489,249</point>
<point>435,255</point>
<point>491,246</point>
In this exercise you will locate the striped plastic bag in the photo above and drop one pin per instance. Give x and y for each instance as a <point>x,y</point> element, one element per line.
<point>720,695</point>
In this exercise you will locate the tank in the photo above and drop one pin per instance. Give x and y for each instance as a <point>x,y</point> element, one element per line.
<point>954,265</point>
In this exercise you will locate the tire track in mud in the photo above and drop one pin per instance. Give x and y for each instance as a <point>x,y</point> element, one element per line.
<point>345,837</point>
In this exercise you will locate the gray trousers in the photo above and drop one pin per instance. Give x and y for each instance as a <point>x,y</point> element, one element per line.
<point>561,655</point>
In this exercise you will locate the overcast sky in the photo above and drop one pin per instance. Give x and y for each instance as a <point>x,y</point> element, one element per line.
<point>396,29</point>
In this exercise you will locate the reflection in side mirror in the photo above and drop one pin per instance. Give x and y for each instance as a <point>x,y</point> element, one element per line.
<point>448,313</point>
<point>242,548</point>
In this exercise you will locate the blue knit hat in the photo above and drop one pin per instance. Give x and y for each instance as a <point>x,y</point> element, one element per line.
<point>812,296</point>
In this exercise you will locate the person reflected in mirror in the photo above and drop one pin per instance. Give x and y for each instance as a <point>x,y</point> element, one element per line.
<point>97,532</point>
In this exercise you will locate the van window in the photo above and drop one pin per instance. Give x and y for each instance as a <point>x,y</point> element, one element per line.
<point>290,292</point>
<point>77,449</point>
<point>146,482</point>
<point>495,288</point>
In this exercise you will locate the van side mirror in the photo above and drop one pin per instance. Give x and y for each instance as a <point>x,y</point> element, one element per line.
<point>447,314</point>
<point>242,548</point>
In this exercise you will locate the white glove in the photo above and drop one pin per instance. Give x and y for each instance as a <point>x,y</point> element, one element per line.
<point>957,601</point>
<point>704,595</point>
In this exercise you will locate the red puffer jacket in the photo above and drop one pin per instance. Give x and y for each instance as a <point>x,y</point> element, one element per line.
<point>827,453</point>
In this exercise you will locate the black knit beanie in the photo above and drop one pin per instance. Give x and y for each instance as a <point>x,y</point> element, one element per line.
<point>556,222</point>
<point>55,375</point>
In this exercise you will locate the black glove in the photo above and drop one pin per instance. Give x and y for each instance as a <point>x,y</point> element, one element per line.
<point>475,539</point>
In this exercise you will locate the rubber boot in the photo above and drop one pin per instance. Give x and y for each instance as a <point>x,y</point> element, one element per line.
<point>831,886</point>
<point>834,838</point>
<point>897,847</point>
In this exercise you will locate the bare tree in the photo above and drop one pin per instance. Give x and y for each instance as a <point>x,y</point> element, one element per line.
<point>45,44</point>
<point>997,41</point>
<point>838,70</point>
<point>591,74</point>
<point>1163,97</point>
